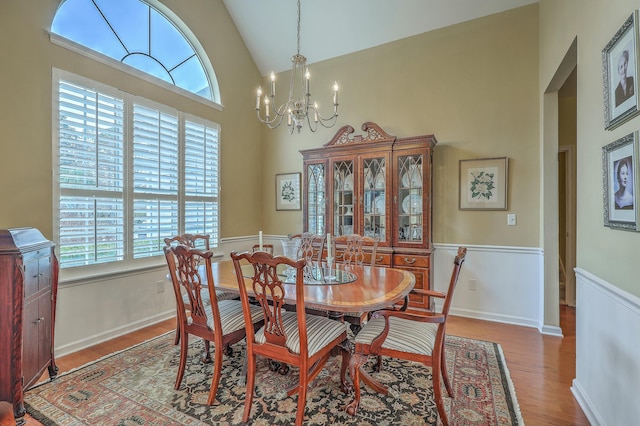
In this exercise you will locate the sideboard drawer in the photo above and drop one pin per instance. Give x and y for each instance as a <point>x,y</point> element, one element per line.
<point>410,260</point>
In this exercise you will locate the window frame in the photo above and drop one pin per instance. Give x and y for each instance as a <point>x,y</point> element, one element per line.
<point>129,263</point>
<point>189,37</point>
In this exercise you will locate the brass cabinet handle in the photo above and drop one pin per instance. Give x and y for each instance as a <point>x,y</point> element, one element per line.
<point>409,261</point>
<point>379,259</point>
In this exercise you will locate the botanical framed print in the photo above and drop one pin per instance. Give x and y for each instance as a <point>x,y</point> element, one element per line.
<point>621,183</point>
<point>483,184</point>
<point>620,66</point>
<point>288,191</point>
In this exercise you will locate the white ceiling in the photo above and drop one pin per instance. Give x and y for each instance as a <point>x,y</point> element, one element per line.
<point>331,28</point>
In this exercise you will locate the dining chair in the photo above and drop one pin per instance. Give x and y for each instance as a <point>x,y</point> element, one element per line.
<point>219,321</point>
<point>311,246</point>
<point>295,338</point>
<point>407,336</point>
<point>355,249</point>
<point>202,242</point>
<point>265,247</point>
<point>358,250</point>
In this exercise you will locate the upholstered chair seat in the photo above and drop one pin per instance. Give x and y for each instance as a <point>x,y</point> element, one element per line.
<point>320,332</point>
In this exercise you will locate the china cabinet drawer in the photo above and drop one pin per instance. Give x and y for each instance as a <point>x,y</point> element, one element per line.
<point>382,259</point>
<point>410,260</point>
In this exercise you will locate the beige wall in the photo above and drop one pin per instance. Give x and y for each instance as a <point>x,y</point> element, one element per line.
<point>604,252</point>
<point>473,85</point>
<point>26,114</point>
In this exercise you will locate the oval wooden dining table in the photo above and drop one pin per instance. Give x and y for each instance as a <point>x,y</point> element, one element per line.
<point>373,288</point>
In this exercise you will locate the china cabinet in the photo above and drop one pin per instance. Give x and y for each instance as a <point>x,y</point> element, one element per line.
<point>28,287</point>
<point>377,185</point>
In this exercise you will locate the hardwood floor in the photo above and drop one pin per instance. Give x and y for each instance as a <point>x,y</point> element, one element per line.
<point>541,367</point>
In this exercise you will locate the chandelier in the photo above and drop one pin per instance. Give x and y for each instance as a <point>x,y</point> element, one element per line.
<point>298,109</point>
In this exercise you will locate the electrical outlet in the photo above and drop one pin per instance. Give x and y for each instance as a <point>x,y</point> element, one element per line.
<point>160,286</point>
<point>473,284</point>
<point>511,219</point>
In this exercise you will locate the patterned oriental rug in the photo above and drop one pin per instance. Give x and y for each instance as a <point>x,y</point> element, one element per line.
<point>135,387</point>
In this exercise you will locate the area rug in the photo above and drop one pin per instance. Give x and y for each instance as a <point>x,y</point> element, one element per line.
<point>135,387</point>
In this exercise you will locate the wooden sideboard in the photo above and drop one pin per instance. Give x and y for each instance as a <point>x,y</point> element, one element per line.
<point>376,185</point>
<point>28,291</point>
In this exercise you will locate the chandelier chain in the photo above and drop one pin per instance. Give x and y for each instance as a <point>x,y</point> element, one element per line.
<point>298,27</point>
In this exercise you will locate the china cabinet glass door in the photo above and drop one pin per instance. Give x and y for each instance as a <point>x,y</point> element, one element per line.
<point>343,197</point>
<point>410,198</point>
<point>316,198</point>
<point>374,197</point>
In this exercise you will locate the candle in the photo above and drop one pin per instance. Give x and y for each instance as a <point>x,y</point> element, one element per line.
<point>289,117</point>
<point>260,240</point>
<point>328,247</point>
<point>258,95</point>
<point>273,84</point>
<point>335,93</point>
<point>307,76</point>
<point>315,112</point>
<point>266,105</point>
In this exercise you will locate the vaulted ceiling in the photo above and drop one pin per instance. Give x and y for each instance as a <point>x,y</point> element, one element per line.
<point>331,28</point>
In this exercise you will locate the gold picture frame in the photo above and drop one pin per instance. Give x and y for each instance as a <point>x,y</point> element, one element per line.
<point>483,184</point>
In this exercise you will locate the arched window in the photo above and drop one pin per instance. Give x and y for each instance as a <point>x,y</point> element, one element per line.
<point>147,37</point>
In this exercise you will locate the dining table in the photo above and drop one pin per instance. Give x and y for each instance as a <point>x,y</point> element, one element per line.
<point>350,288</point>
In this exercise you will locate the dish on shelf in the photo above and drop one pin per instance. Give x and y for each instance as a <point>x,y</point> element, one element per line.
<point>348,183</point>
<point>379,181</point>
<point>378,205</point>
<point>412,204</point>
<point>412,177</point>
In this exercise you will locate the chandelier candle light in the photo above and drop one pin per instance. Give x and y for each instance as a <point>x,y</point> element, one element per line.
<point>298,107</point>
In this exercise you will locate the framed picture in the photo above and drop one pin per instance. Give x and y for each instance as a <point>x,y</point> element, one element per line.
<point>483,184</point>
<point>620,73</point>
<point>288,191</point>
<point>621,183</point>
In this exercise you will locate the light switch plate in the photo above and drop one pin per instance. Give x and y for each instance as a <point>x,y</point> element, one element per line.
<point>511,219</point>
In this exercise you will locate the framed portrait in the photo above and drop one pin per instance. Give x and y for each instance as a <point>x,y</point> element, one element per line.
<point>621,183</point>
<point>288,191</point>
<point>620,74</point>
<point>483,184</point>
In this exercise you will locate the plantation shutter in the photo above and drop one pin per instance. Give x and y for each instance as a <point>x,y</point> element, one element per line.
<point>201,179</point>
<point>90,175</point>
<point>155,179</point>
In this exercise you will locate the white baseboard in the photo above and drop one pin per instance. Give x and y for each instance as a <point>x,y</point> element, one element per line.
<point>111,334</point>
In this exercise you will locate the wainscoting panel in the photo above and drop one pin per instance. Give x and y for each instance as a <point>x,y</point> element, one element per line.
<point>502,284</point>
<point>607,382</point>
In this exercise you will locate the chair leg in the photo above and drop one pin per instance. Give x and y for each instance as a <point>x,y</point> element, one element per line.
<point>184,347</point>
<point>302,397</point>
<point>217,370</point>
<point>437,390</point>
<point>177,338</point>
<point>206,359</point>
<point>251,377</point>
<point>445,374</point>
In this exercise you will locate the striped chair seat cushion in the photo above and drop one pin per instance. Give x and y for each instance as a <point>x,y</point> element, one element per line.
<point>404,335</point>
<point>221,295</point>
<point>320,331</point>
<point>231,315</point>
